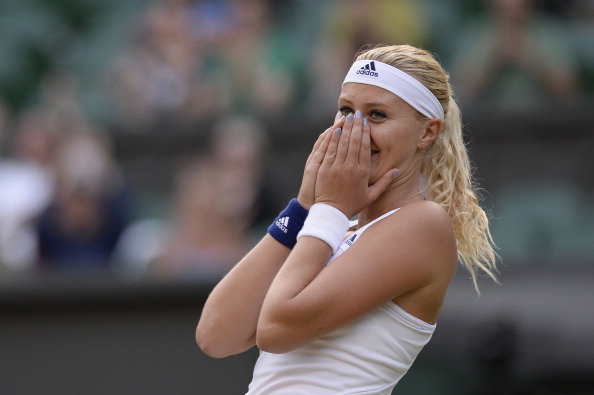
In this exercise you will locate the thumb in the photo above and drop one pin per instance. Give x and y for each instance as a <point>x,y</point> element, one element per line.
<point>380,185</point>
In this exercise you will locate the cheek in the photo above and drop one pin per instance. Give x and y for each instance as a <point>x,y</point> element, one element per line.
<point>394,149</point>
<point>384,139</point>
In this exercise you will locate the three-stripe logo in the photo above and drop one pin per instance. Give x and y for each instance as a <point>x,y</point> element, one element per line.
<point>368,69</point>
<point>283,223</point>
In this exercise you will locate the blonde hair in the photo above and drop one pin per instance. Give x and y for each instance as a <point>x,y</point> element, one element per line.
<point>446,166</point>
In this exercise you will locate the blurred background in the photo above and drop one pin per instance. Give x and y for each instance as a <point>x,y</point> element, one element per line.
<point>146,145</point>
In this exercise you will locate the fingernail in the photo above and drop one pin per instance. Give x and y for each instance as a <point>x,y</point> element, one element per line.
<point>350,118</point>
<point>341,118</point>
<point>395,174</point>
<point>365,123</point>
<point>338,131</point>
<point>357,114</point>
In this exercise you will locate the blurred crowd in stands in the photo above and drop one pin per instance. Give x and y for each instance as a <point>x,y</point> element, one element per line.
<point>72,81</point>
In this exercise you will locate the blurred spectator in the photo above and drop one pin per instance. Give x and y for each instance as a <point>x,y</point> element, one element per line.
<point>239,146</point>
<point>197,59</point>
<point>205,238</point>
<point>89,208</point>
<point>350,25</point>
<point>515,59</point>
<point>59,95</point>
<point>580,16</point>
<point>256,58</point>
<point>26,186</point>
<point>163,73</point>
<point>217,201</point>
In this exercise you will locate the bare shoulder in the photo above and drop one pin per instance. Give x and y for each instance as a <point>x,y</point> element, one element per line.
<point>423,229</point>
<point>420,244</point>
<point>427,207</point>
<point>421,216</point>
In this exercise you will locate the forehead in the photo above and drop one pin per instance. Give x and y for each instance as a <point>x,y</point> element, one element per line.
<point>364,94</point>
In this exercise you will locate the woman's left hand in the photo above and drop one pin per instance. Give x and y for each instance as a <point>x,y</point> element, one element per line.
<point>343,177</point>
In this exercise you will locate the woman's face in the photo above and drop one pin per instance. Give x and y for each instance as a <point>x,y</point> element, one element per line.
<point>396,129</point>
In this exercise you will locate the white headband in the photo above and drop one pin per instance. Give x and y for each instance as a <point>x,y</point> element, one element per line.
<point>399,83</point>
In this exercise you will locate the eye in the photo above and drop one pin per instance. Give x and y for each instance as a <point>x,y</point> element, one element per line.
<point>344,110</point>
<point>376,115</point>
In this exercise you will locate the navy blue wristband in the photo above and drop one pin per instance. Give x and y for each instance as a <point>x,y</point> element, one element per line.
<point>289,222</point>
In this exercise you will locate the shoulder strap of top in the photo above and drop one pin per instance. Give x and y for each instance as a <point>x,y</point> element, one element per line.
<point>360,230</point>
<point>355,236</point>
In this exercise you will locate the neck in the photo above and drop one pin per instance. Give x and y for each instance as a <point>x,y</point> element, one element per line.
<point>391,199</point>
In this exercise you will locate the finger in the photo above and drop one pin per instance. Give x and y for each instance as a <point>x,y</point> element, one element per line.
<point>355,139</point>
<point>343,143</point>
<point>322,135</point>
<point>331,150</point>
<point>318,155</point>
<point>365,151</point>
<point>318,143</point>
<point>321,143</point>
<point>380,186</point>
<point>306,192</point>
<point>339,123</point>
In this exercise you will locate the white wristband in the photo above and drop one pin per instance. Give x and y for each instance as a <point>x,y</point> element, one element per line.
<point>326,223</point>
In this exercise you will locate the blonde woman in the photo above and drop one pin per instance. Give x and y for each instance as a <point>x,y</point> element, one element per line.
<point>344,307</point>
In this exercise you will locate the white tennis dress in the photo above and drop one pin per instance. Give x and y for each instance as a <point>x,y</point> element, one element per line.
<point>368,356</point>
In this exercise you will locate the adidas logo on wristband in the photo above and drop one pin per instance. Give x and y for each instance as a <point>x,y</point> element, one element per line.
<point>279,228</point>
<point>283,224</point>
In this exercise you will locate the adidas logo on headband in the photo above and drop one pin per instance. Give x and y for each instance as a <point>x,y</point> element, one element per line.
<point>368,69</point>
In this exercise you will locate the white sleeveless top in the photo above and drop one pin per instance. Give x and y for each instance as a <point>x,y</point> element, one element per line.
<point>368,356</point>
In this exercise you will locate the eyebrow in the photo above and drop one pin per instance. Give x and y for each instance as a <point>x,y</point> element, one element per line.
<point>370,104</point>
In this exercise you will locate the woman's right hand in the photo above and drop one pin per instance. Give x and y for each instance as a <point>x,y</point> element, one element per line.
<point>306,193</point>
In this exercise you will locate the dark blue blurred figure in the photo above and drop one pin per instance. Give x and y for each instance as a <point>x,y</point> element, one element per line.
<point>90,208</point>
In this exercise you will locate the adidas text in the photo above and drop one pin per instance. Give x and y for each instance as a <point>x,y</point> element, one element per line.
<point>368,72</point>
<point>282,224</point>
<point>368,69</point>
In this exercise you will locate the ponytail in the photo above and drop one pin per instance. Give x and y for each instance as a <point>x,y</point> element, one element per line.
<point>446,170</point>
<point>450,184</point>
